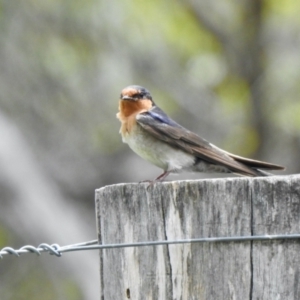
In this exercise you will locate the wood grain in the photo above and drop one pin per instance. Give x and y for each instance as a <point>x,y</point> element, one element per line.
<point>191,209</point>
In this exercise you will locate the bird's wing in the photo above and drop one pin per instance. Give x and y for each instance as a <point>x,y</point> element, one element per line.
<point>158,124</point>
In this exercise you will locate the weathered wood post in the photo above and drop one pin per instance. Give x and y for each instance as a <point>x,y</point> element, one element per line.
<point>191,209</point>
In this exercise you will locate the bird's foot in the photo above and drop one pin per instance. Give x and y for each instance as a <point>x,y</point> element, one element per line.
<point>160,178</point>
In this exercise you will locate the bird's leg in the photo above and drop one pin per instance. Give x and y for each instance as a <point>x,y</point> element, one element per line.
<point>160,178</point>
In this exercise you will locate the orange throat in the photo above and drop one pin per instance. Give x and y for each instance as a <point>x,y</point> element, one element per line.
<point>128,111</point>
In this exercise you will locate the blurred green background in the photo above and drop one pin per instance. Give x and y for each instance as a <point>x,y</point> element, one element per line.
<point>228,70</point>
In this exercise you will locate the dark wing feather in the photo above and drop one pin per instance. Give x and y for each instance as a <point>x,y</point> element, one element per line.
<point>255,163</point>
<point>158,124</point>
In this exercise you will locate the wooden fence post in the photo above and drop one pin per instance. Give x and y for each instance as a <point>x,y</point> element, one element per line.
<point>129,213</point>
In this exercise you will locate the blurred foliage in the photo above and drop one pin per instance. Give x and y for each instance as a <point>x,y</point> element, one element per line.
<point>37,285</point>
<point>228,70</point>
<point>4,237</point>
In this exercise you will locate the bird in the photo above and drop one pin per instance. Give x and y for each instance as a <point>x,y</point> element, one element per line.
<point>158,139</point>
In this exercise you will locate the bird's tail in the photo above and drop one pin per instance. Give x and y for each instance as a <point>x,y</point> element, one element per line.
<point>257,165</point>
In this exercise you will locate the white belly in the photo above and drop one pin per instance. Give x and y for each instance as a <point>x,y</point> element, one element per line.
<point>157,152</point>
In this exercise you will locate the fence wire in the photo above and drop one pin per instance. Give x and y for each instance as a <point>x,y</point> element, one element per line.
<point>57,250</point>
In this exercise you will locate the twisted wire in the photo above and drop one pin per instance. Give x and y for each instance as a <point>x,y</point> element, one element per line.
<point>57,250</point>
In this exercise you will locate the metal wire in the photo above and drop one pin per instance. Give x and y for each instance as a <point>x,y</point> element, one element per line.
<point>57,250</point>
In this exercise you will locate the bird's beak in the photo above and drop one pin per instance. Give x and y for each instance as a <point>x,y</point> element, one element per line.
<point>127,98</point>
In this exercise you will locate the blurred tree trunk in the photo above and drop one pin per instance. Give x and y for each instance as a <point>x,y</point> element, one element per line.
<point>254,73</point>
<point>245,54</point>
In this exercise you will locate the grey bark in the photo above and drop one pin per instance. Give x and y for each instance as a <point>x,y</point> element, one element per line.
<point>192,209</point>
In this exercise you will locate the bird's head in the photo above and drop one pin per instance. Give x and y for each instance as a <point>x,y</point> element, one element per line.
<point>135,93</point>
<point>134,99</point>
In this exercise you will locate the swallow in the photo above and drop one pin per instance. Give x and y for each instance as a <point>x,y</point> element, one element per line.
<point>155,137</point>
